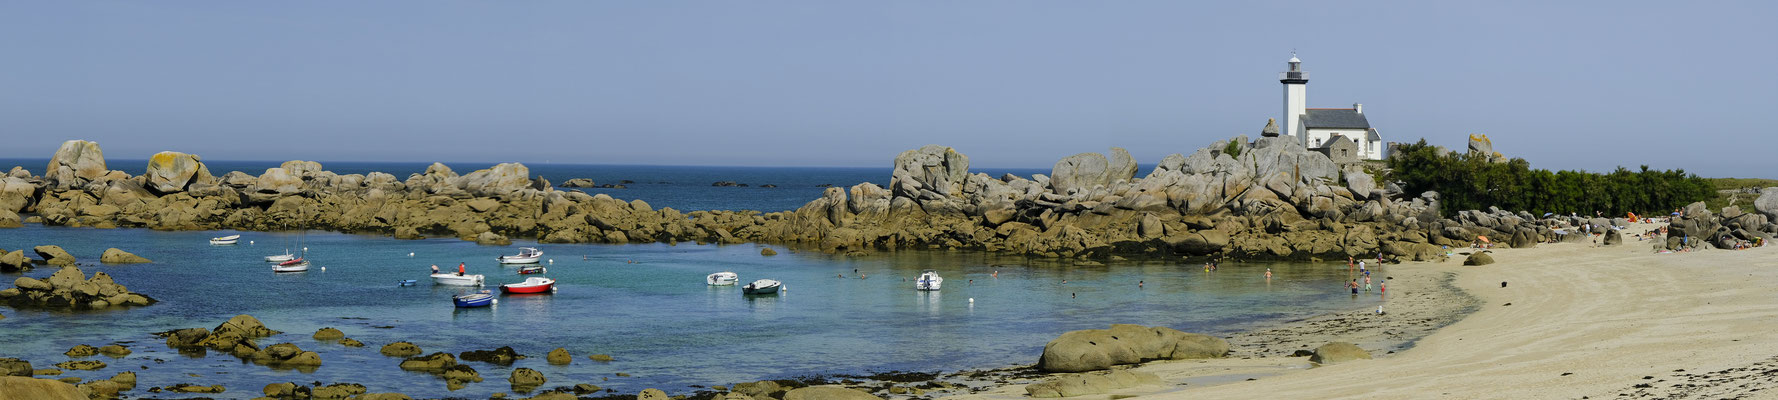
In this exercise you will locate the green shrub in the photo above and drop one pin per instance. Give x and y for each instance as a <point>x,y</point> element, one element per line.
<point>1471,182</point>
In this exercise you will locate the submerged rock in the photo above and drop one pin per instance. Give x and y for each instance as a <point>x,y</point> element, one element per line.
<point>329,333</point>
<point>503,355</point>
<point>526,379</point>
<point>560,356</point>
<point>115,256</point>
<point>400,349</point>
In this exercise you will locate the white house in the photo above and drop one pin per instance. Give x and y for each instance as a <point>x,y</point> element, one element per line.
<point>1316,127</point>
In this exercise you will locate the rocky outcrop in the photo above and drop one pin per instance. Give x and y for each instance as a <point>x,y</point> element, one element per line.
<point>400,349</point>
<point>14,261</point>
<point>579,183</point>
<point>526,379</point>
<point>652,394</point>
<point>69,288</point>
<point>1338,352</point>
<point>15,367</point>
<point>437,362</point>
<point>559,356</point>
<point>827,393</point>
<point>1235,199</point>
<point>75,164</point>
<point>1478,258</point>
<point>1091,383</point>
<point>19,387</point>
<point>1766,203</point>
<point>1098,349</point>
<point>328,333</point>
<point>1086,171</point>
<point>286,355</point>
<point>236,337</point>
<point>54,255</point>
<point>172,172</point>
<point>504,355</point>
<point>115,256</point>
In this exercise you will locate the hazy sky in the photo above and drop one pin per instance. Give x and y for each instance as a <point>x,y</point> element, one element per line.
<point>841,83</point>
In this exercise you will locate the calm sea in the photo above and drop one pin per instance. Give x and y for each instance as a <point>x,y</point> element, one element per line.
<point>644,304</point>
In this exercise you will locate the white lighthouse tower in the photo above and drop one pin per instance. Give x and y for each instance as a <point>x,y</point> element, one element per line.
<point>1296,93</point>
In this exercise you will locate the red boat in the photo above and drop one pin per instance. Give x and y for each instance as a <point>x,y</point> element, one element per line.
<point>530,285</point>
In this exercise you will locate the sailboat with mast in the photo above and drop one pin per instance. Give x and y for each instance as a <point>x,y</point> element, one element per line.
<point>286,256</point>
<point>297,264</point>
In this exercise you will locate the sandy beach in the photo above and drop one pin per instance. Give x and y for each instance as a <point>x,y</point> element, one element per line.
<point>1574,321</point>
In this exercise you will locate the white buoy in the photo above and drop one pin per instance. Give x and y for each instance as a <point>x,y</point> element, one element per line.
<point>552,261</point>
<point>972,300</point>
<point>323,269</point>
<point>305,248</point>
<point>250,243</point>
<point>410,254</point>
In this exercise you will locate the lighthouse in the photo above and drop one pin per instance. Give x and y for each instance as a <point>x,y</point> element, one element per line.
<point>1296,93</point>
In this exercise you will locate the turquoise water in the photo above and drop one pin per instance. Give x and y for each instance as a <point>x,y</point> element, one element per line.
<point>655,315</point>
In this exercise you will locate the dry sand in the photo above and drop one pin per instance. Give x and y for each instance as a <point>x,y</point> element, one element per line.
<point>1575,321</point>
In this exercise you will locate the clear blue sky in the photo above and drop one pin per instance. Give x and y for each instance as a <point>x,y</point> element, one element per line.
<point>842,83</point>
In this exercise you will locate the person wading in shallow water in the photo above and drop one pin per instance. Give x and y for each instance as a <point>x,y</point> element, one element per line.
<point>1353,285</point>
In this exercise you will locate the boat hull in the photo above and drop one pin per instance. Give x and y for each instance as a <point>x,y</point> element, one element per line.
<point>762,287</point>
<point>280,258</point>
<point>457,280</point>
<point>296,267</point>
<point>722,279</point>
<point>526,289</point>
<point>222,242</point>
<point>518,260</point>
<point>474,300</point>
<point>532,270</point>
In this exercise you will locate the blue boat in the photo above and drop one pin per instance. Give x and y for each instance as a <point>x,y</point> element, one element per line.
<point>479,299</point>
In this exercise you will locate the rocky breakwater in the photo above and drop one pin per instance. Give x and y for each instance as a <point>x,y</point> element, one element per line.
<point>237,337</point>
<point>178,192</point>
<point>69,288</point>
<point>1265,199</point>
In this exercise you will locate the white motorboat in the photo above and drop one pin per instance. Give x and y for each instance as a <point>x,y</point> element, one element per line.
<point>929,280</point>
<point>230,239</point>
<point>280,258</point>
<point>295,265</point>
<point>722,279</point>
<point>527,255</point>
<point>457,280</point>
<point>762,286</point>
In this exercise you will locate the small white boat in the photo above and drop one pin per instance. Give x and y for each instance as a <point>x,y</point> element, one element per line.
<point>280,258</point>
<point>457,280</point>
<point>722,279</point>
<point>929,280</point>
<point>230,239</point>
<point>762,286</point>
<point>527,255</point>
<point>296,265</point>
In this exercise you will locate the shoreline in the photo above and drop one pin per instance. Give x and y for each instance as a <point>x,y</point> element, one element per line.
<point>1574,321</point>
<point>1421,299</point>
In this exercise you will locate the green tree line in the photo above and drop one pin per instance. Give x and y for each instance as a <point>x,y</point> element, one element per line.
<point>1472,182</point>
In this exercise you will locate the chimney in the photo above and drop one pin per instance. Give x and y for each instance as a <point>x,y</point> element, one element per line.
<point>1359,107</point>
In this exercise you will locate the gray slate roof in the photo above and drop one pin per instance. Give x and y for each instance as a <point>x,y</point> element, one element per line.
<point>1336,118</point>
<point>1372,135</point>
